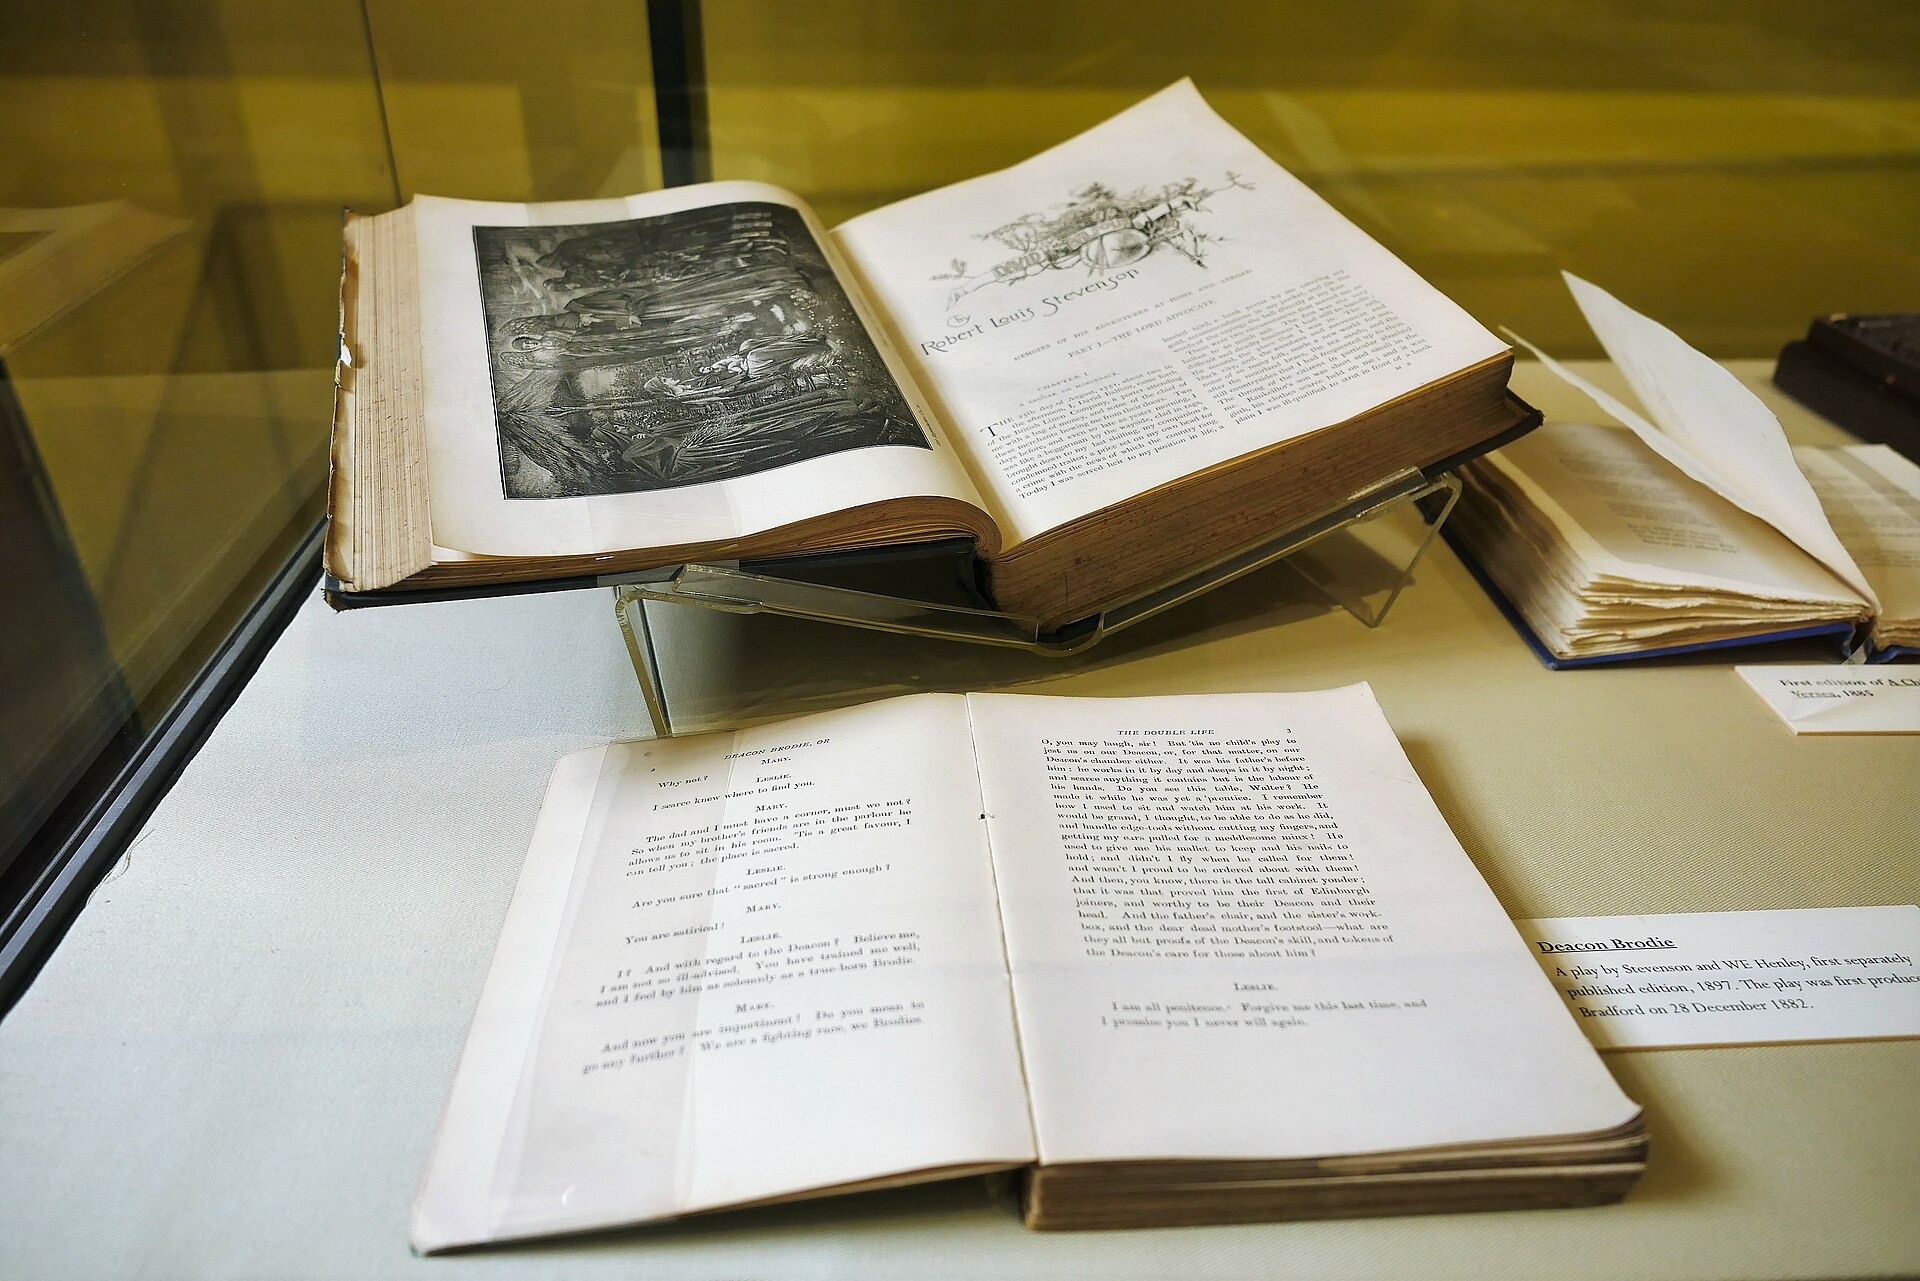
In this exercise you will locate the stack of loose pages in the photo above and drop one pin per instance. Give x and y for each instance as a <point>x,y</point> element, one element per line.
<point>1694,525</point>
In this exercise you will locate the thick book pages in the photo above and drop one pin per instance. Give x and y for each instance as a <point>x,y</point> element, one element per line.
<point>1188,959</point>
<point>1699,418</point>
<point>1606,549</point>
<point>1695,524</point>
<point>1063,361</point>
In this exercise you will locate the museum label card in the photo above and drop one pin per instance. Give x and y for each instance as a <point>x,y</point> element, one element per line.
<point>1824,699</point>
<point>1735,978</point>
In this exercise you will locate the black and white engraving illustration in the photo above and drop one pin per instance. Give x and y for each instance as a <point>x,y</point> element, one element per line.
<point>675,350</point>
<point>1096,231</point>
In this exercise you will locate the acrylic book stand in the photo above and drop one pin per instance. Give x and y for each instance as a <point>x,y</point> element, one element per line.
<point>716,646</point>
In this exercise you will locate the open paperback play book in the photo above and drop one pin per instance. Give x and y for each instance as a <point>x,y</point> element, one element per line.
<point>1115,363</point>
<point>1696,524</point>
<point>1191,959</point>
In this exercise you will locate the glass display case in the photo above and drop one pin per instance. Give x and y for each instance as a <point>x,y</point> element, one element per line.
<point>169,231</point>
<point>170,262</point>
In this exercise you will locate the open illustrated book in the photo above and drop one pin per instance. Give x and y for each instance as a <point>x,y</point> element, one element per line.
<point>1118,362</point>
<point>1192,959</point>
<point>1696,525</point>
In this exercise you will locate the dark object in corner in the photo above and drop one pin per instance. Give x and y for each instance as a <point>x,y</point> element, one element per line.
<point>1863,372</point>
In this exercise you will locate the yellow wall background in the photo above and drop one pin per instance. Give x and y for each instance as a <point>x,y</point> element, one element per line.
<point>1733,169</point>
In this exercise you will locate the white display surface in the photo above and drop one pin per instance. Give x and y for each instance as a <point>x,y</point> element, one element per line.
<point>233,1066</point>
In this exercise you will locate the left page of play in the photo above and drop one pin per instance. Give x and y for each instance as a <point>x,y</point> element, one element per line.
<point>740,967</point>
